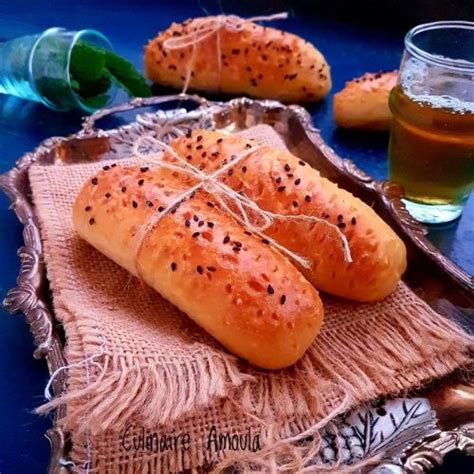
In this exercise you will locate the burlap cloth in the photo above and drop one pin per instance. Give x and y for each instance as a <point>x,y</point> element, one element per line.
<point>136,362</point>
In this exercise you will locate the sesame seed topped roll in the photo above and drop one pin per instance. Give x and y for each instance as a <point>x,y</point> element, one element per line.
<point>236,56</point>
<point>230,282</point>
<point>279,182</point>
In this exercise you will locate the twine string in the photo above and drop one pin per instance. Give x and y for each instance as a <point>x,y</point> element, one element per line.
<point>224,194</point>
<point>204,29</point>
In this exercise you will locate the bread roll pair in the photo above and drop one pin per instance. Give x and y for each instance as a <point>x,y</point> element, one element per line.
<point>363,103</point>
<point>238,288</point>
<point>281,183</point>
<point>232,282</point>
<point>236,56</point>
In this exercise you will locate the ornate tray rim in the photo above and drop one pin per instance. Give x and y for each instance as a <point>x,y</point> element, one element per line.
<point>27,297</point>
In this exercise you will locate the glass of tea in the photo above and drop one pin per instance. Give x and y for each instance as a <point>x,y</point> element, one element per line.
<point>431,151</point>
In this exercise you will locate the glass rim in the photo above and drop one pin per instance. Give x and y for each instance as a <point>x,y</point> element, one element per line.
<point>75,36</point>
<point>457,64</point>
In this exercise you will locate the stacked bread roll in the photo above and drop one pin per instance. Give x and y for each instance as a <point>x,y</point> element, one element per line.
<point>229,280</point>
<point>240,290</point>
<point>279,182</point>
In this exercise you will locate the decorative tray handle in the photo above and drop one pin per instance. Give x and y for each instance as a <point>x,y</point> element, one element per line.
<point>88,124</point>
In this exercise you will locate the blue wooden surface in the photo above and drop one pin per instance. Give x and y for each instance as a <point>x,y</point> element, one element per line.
<point>350,50</point>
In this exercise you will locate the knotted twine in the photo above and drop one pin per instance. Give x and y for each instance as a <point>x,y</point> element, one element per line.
<point>221,192</point>
<point>205,28</point>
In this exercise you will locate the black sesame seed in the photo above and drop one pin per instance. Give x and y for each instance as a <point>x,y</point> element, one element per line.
<point>140,182</point>
<point>238,244</point>
<point>244,169</point>
<point>287,167</point>
<point>200,223</point>
<point>248,145</point>
<point>247,232</point>
<point>124,188</point>
<point>341,225</point>
<point>282,299</point>
<point>187,223</point>
<point>230,172</point>
<point>149,204</point>
<point>196,234</point>
<point>297,181</point>
<point>281,188</point>
<point>290,175</point>
<point>195,218</point>
<point>161,209</point>
<point>265,241</point>
<point>94,181</point>
<point>295,204</point>
<point>307,198</point>
<point>198,147</point>
<point>199,269</point>
<point>91,221</point>
<point>236,249</point>
<point>270,290</point>
<point>188,134</point>
<point>278,180</point>
<point>226,239</point>
<point>107,195</point>
<point>106,168</point>
<point>113,165</point>
<point>87,208</point>
<point>235,51</point>
<point>189,157</point>
<point>210,204</point>
<point>173,266</point>
<point>134,204</point>
<point>340,218</point>
<point>353,221</point>
<point>210,224</point>
<point>204,154</point>
<point>144,169</point>
<point>211,268</point>
<point>219,140</point>
<point>199,138</point>
<point>302,163</point>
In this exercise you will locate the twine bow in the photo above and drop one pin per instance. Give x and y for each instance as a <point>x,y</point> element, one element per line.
<point>205,28</point>
<point>245,207</point>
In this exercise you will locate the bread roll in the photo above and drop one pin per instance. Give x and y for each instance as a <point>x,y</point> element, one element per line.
<point>363,103</point>
<point>255,60</point>
<point>277,181</point>
<point>240,290</point>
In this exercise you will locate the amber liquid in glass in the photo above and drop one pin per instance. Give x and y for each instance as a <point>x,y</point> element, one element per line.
<point>431,150</point>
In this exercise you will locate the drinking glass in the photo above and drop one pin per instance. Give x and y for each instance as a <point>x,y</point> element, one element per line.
<point>431,150</point>
<point>36,67</point>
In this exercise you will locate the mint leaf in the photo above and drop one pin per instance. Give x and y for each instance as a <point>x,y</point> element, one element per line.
<point>87,62</point>
<point>126,75</point>
<point>94,69</point>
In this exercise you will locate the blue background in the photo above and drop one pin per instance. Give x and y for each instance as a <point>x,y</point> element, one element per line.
<point>351,49</point>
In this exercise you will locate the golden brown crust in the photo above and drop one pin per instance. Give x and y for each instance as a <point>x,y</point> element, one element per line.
<point>277,181</point>
<point>239,289</point>
<point>363,103</point>
<point>255,60</point>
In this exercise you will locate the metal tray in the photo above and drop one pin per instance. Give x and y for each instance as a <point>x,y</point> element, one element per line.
<point>437,279</point>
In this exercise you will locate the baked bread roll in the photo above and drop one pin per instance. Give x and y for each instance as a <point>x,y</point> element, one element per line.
<point>363,103</point>
<point>281,183</point>
<point>240,290</point>
<point>238,57</point>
